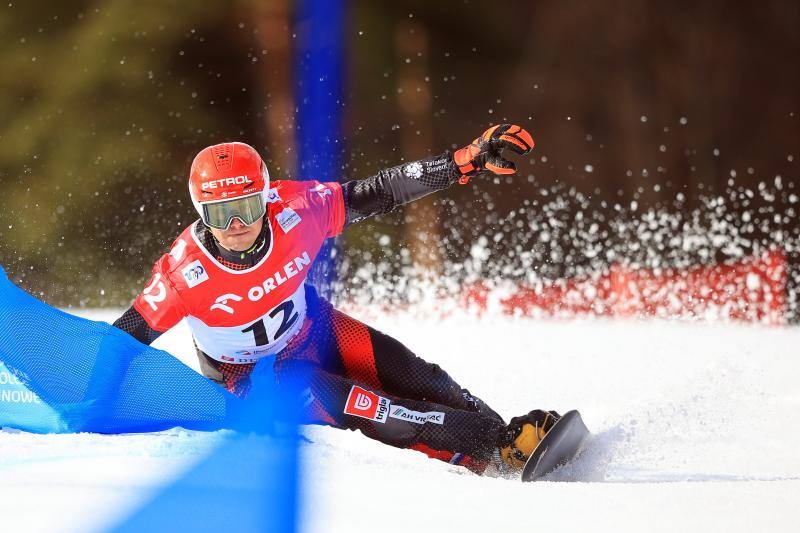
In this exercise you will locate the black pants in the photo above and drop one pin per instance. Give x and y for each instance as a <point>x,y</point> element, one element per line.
<point>356,377</point>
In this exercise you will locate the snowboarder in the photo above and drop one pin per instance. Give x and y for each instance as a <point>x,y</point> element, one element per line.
<point>238,276</point>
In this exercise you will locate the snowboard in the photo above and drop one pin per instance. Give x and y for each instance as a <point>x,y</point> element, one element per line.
<point>563,442</point>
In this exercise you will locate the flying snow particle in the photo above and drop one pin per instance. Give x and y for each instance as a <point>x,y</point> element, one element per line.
<point>753,281</point>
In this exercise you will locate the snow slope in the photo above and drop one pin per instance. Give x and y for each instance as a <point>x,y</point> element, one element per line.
<point>695,430</point>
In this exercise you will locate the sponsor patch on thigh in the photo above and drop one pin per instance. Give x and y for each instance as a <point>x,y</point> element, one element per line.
<point>415,416</point>
<point>367,404</point>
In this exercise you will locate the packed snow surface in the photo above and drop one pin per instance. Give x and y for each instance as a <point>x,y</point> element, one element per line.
<point>695,429</point>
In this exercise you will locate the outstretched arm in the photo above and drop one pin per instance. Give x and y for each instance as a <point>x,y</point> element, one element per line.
<point>398,185</point>
<point>405,183</point>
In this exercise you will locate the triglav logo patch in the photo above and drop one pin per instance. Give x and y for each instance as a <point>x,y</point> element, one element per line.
<point>366,404</point>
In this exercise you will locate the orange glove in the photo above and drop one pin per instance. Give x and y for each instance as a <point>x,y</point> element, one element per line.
<point>485,152</point>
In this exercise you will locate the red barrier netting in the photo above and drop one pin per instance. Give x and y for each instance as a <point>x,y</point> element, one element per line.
<point>752,289</point>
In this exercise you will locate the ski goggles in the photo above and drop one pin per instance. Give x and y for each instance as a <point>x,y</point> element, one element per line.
<point>248,209</point>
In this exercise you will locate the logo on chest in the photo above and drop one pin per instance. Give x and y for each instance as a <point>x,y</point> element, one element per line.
<point>287,219</point>
<point>273,196</point>
<point>194,274</point>
<point>255,293</point>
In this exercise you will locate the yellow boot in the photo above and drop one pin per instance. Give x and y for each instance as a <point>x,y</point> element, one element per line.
<point>523,434</point>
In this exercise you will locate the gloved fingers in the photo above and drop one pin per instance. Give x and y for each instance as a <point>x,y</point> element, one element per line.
<point>484,153</point>
<point>497,165</point>
<point>516,139</point>
<point>488,134</point>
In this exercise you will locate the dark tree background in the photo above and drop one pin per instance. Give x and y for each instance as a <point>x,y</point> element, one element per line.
<point>683,109</point>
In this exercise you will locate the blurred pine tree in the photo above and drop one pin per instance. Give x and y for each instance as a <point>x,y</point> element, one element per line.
<point>105,104</point>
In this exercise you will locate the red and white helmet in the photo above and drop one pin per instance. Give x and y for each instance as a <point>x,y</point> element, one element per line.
<point>227,181</point>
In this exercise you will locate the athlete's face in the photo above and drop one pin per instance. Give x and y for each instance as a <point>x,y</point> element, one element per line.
<point>238,237</point>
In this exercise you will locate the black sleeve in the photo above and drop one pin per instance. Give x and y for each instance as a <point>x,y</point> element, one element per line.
<point>397,186</point>
<point>134,324</point>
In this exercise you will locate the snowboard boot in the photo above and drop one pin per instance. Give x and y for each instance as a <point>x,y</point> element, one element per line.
<point>523,434</point>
